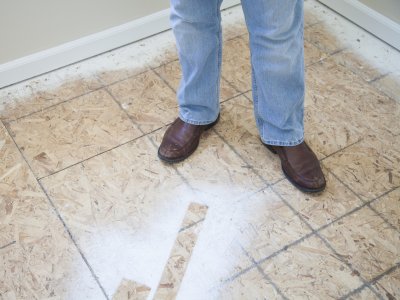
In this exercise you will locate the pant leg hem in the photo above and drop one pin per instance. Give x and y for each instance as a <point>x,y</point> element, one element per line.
<point>194,122</point>
<point>283,143</point>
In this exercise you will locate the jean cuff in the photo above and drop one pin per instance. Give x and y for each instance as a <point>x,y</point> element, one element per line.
<point>283,143</point>
<point>195,122</point>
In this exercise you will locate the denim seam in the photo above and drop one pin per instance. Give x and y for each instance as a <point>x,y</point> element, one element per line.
<point>219,56</point>
<point>260,124</point>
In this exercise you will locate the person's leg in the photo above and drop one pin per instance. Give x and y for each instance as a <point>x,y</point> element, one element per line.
<point>277,56</point>
<point>276,41</point>
<point>197,28</point>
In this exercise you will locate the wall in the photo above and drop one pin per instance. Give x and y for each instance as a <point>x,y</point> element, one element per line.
<point>388,8</point>
<point>27,27</point>
<point>42,35</point>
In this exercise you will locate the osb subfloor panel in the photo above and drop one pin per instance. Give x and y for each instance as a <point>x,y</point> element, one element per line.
<point>88,211</point>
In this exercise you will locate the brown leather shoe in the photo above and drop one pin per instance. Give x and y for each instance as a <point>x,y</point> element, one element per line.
<point>181,140</point>
<point>301,167</point>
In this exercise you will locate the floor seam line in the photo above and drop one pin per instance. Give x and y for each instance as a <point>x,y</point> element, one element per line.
<point>191,225</point>
<point>233,97</point>
<point>58,215</point>
<point>369,82</point>
<point>164,64</point>
<point>376,88</point>
<point>328,55</point>
<point>7,245</point>
<point>147,135</point>
<point>313,231</point>
<point>388,271</point>
<point>383,218</point>
<point>261,271</point>
<point>164,80</point>
<point>355,291</point>
<point>358,75</point>
<point>105,88</point>
<point>260,261</point>
<point>93,156</point>
<point>379,77</point>
<point>231,84</point>
<point>349,265</point>
<point>294,243</point>
<point>54,105</point>
<point>73,240</point>
<point>141,72</point>
<point>317,234</point>
<point>372,281</point>
<point>312,24</point>
<point>285,248</point>
<point>123,110</point>
<point>268,185</point>
<point>318,229</point>
<point>344,148</point>
<point>241,157</point>
<point>350,212</point>
<point>368,202</point>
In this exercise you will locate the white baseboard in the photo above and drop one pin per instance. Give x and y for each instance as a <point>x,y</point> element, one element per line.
<point>369,19</point>
<point>229,3</point>
<point>74,51</point>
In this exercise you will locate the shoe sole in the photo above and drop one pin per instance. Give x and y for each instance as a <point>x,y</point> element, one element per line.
<point>176,160</point>
<point>301,188</point>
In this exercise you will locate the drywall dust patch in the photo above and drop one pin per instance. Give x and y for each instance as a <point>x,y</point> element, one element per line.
<point>177,262</point>
<point>181,252</point>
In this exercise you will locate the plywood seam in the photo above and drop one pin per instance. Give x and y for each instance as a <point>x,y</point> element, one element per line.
<point>57,213</point>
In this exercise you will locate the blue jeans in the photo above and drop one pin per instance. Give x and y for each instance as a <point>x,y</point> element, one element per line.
<point>277,57</point>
